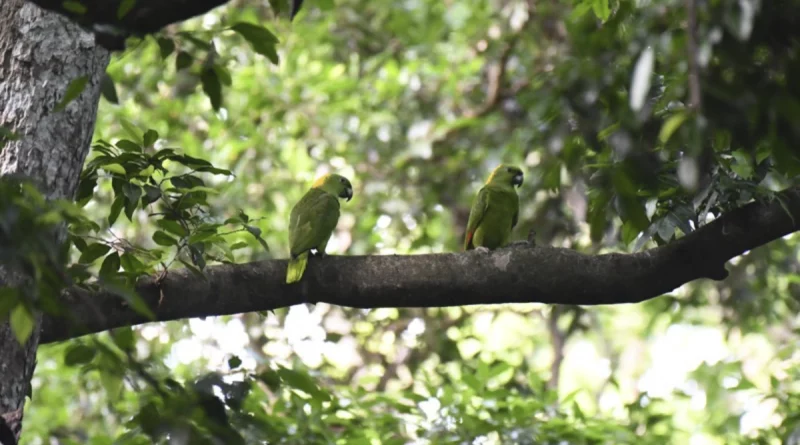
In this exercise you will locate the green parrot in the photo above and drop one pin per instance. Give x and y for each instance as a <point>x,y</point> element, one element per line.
<point>495,210</point>
<point>313,219</point>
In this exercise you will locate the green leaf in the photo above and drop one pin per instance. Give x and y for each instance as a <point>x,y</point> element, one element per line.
<point>93,252</point>
<point>670,126</point>
<point>601,9</point>
<point>260,38</point>
<point>86,187</point>
<point>130,205</point>
<point>743,164</point>
<point>183,60</point>
<point>131,264</point>
<point>22,323</point>
<point>201,236</point>
<point>108,89</point>
<point>132,131</point>
<point>74,7</point>
<point>277,6</point>
<point>79,354</point>
<point>197,256</point>
<point>199,273</point>
<point>270,378</point>
<point>239,245</point>
<point>633,211</point>
<point>304,383</point>
<point>598,215</point>
<point>172,227</point>
<point>190,161</point>
<point>223,75</point>
<point>110,265</point>
<point>114,168</point>
<point>234,362</point>
<point>215,171</point>
<point>132,191</point>
<point>212,87</point>
<point>123,338</point>
<point>151,195</point>
<point>125,7</point>
<point>112,383</point>
<point>256,232</point>
<point>150,137</point>
<point>130,146</point>
<point>74,89</point>
<point>166,46</point>
<point>133,299</point>
<point>116,209</point>
<point>162,239</point>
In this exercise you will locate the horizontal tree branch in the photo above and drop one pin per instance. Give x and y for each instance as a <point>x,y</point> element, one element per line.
<point>518,274</point>
<point>143,17</point>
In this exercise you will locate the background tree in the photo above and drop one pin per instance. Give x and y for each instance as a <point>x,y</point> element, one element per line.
<point>637,125</point>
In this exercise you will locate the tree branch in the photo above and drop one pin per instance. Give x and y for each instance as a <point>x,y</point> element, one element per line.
<point>144,17</point>
<point>511,275</point>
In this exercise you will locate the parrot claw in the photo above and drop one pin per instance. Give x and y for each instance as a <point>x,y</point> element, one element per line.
<point>481,249</point>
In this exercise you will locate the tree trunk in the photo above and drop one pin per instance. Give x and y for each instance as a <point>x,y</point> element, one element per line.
<point>40,54</point>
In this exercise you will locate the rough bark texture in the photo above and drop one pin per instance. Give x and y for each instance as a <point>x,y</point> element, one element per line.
<point>40,54</point>
<point>511,275</point>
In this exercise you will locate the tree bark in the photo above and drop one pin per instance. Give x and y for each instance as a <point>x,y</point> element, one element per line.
<point>40,54</point>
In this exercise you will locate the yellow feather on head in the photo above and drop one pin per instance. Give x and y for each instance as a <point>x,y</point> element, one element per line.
<point>494,172</point>
<point>320,181</point>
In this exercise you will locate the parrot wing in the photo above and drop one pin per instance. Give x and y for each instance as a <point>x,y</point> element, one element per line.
<point>479,207</point>
<point>515,218</point>
<point>312,221</point>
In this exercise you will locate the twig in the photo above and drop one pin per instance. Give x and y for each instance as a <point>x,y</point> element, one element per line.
<point>558,339</point>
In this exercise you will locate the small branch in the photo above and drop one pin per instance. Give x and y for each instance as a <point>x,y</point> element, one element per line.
<point>496,78</point>
<point>558,340</point>
<point>511,275</point>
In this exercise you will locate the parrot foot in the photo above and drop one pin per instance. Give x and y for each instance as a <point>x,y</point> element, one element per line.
<point>481,249</point>
<point>530,242</point>
<point>522,243</point>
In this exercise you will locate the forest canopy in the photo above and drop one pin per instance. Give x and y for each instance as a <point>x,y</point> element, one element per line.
<point>658,143</point>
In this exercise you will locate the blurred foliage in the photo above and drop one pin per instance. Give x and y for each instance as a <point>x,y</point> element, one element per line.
<point>415,103</point>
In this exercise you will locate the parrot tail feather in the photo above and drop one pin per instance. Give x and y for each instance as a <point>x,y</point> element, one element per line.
<point>468,241</point>
<point>296,268</point>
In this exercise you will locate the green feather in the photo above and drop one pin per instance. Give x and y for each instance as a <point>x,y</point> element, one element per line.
<point>296,268</point>
<point>312,221</point>
<point>494,212</point>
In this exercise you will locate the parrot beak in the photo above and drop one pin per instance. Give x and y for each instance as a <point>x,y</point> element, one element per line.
<point>517,180</point>
<point>348,194</point>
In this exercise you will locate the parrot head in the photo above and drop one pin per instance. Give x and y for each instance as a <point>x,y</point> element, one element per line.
<point>506,175</point>
<point>336,185</point>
